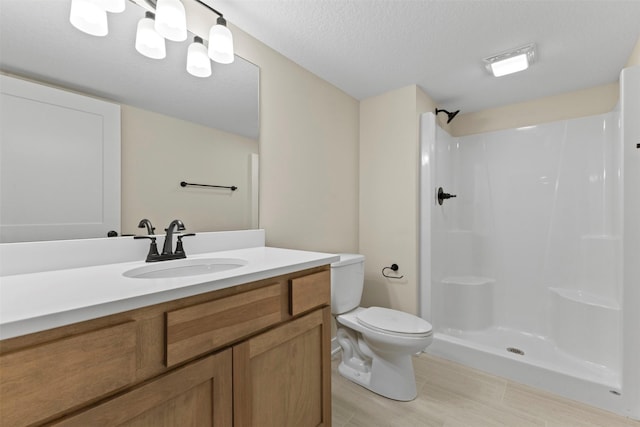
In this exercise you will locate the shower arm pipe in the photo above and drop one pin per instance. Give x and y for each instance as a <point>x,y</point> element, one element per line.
<point>450,115</point>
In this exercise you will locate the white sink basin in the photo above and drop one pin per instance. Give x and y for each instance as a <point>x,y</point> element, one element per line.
<point>184,268</point>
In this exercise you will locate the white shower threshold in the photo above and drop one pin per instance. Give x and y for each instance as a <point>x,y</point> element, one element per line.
<point>542,365</point>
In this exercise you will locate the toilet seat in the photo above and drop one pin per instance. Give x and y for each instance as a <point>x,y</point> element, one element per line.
<point>394,322</point>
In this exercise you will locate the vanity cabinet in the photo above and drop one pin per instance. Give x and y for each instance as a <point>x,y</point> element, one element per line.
<point>256,354</point>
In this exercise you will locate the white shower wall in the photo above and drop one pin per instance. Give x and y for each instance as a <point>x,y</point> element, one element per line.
<point>540,207</point>
<point>538,215</point>
<point>533,252</point>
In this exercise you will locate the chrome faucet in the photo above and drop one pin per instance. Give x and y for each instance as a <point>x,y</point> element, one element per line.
<point>176,224</point>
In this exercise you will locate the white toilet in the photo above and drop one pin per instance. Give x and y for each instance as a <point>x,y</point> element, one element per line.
<point>377,343</point>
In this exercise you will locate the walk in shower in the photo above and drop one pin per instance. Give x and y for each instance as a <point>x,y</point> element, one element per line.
<point>528,271</point>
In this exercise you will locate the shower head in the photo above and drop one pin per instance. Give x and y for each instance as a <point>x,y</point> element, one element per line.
<point>450,116</point>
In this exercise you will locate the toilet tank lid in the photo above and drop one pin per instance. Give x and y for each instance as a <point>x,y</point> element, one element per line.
<point>346,259</point>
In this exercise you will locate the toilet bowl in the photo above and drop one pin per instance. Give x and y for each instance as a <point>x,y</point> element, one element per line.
<point>377,343</point>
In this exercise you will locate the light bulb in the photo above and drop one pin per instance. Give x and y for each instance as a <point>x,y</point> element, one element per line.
<point>148,42</point>
<point>511,61</point>
<point>89,17</point>
<point>171,20</point>
<point>510,65</point>
<point>221,43</point>
<point>198,62</point>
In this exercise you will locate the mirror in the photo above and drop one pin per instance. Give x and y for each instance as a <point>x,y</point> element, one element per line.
<point>38,43</point>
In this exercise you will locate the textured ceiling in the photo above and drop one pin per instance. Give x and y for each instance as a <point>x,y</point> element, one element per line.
<point>368,47</point>
<point>364,47</point>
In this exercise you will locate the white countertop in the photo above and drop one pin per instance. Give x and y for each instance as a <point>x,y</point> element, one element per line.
<point>38,301</point>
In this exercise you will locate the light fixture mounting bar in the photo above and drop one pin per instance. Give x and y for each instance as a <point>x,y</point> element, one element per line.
<point>210,8</point>
<point>152,4</point>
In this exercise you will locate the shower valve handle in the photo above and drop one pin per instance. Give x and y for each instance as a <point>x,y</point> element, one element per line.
<point>442,196</point>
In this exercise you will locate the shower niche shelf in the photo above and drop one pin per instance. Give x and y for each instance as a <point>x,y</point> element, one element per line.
<point>587,298</point>
<point>598,277</point>
<point>581,319</point>
<point>467,302</point>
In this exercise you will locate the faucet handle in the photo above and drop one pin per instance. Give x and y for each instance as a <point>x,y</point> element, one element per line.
<point>442,196</point>
<point>152,238</point>
<point>179,236</point>
<point>153,247</point>
<point>179,248</point>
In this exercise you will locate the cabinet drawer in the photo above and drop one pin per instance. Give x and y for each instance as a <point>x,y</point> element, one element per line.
<point>198,329</point>
<point>41,381</point>
<point>307,292</point>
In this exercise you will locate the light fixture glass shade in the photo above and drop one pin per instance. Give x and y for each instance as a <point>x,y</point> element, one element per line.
<point>510,65</point>
<point>148,42</point>
<point>221,43</point>
<point>171,20</point>
<point>89,17</point>
<point>511,61</point>
<point>114,6</point>
<point>198,62</point>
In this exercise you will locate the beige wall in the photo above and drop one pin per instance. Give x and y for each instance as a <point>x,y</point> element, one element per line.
<point>597,100</point>
<point>309,158</point>
<point>158,152</point>
<point>634,59</point>
<point>308,150</point>
<point>389,174</point>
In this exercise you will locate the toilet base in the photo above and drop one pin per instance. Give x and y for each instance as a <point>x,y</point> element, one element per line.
<point>392,378</point>
<point>358,377</point>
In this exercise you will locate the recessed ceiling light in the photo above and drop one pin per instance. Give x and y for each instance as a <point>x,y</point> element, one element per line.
<point>511,61</point>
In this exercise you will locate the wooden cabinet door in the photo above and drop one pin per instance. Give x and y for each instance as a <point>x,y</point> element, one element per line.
<point>196,395</point>
<point>46,380</point>
<point>283,377</point>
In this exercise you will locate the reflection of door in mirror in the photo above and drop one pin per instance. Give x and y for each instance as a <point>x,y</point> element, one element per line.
<point>39,44</point>
<point>59,163</point>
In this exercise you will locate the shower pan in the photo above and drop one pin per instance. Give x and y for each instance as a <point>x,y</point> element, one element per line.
<point>530,271</point>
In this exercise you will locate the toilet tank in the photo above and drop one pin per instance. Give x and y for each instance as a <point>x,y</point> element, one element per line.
<point>347,282</point>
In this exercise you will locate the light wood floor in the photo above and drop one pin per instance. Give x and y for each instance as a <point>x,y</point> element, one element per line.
<point>453,395</point>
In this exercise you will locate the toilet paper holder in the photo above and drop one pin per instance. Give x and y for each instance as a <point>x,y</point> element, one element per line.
<point>393,267</point>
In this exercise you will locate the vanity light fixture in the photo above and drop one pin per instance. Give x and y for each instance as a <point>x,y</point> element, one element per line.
<point>511,61</point>
<point>89,16</point>
<point>165,19</point>
<point>221,42</point>
<point>171,20</point>
<point>148,42</point>
<point>198,62</point>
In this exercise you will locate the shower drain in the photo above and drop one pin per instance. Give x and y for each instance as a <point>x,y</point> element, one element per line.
<point>515,351</point>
